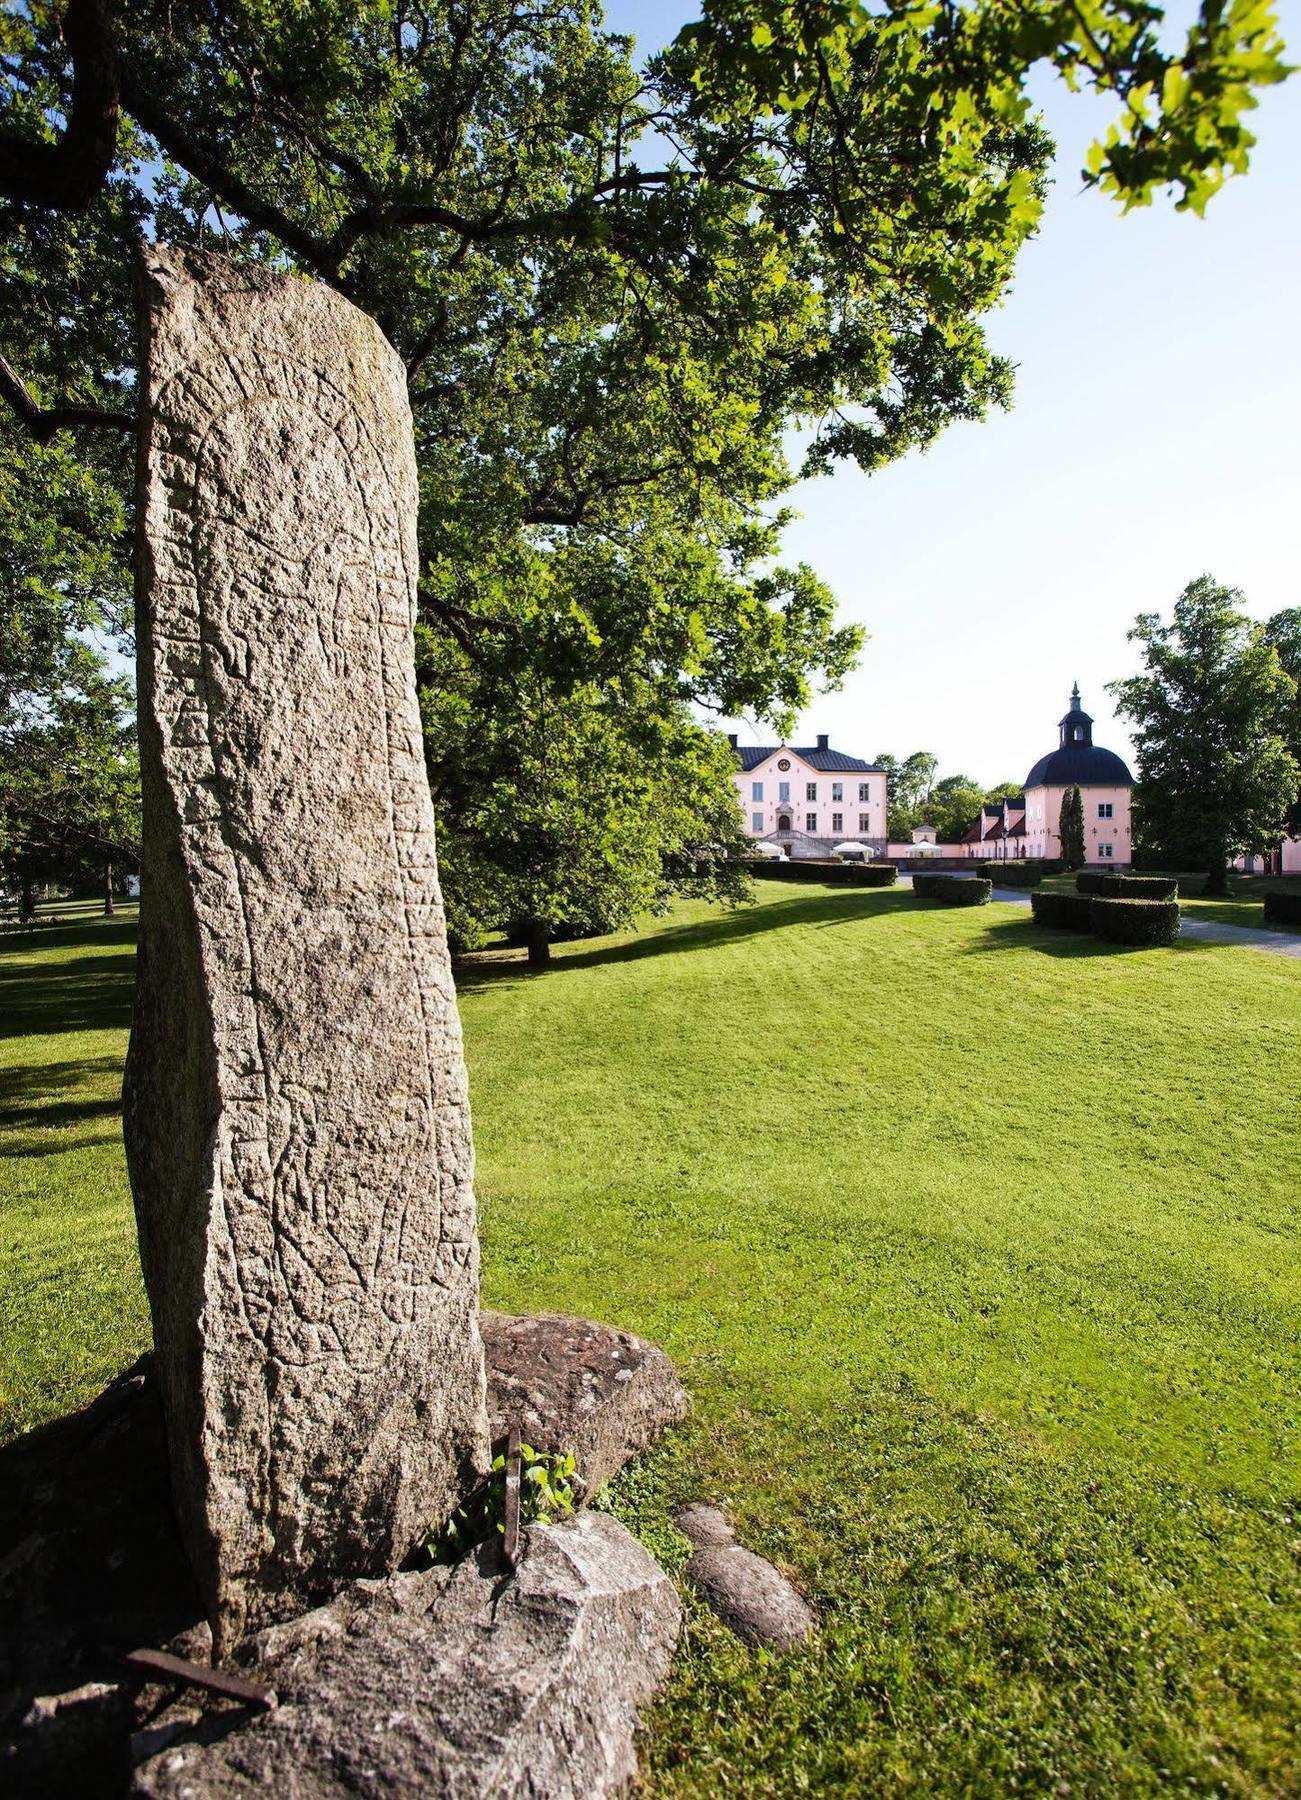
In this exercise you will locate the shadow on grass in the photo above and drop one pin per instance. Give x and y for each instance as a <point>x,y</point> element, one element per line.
<point>33,1102</point>
<point>733,927</point>
<point>75,993</point>
<point>1023,934</point>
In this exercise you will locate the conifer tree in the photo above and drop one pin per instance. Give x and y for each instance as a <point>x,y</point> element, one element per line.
<point>1071,828</point>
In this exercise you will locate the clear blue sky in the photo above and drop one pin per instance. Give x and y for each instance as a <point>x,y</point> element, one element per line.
<point>1154,437</point>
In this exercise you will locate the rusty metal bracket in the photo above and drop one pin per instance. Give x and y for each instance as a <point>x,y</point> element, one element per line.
<point>192,1674</point>
<point>511,1542</point>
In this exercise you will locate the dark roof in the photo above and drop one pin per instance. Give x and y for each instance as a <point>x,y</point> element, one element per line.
<point>1080,765</point>
<point>830,762</point>
<point>1078,761</point>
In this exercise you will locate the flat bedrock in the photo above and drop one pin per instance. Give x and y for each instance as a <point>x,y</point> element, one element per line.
<point>463,1684</point>
<point>572,1384</point>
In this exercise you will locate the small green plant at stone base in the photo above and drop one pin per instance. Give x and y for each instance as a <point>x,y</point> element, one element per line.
<point>549,1481</point>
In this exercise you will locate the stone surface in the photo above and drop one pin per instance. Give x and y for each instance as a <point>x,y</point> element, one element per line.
<point>575,1385</point>
<point>459,1684</point>
<point>704,1525</point>
<point>295,1108</point>
<point>751,1597</point>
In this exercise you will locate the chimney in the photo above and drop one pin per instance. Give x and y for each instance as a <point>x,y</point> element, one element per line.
<point>731,738</point>
<point>822,741</point>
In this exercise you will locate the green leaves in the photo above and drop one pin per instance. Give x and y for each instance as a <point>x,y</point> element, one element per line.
<point>549,1488</point>
<point>962,69</point>
<point>1211,711</point>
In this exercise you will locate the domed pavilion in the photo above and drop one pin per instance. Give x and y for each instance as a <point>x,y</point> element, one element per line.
<point>1104,782</point>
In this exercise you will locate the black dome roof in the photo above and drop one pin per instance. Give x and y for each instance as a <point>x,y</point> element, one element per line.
<point>1078,761</point>
<point>1080,765</point>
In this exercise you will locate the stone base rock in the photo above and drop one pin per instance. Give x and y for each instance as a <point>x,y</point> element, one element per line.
<point>575,1385</point>
<point>460,1684</point>
<point>91,1562</point>
<point>749,1595</point>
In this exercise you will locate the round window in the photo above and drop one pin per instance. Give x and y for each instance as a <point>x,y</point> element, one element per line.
<point>785,763</point>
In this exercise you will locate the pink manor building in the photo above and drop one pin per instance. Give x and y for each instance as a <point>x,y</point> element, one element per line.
<point>1105,784</point>
<point>1027,825</point>
<point>808,799</point>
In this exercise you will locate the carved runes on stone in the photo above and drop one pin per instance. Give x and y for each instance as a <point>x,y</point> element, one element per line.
<point>296,1118</point>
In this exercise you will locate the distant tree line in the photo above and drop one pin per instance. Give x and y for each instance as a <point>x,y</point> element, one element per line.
<point>917,795</point>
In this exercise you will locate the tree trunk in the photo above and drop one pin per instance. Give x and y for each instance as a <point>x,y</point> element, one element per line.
<point>1217,879</point>
<point>539,942</point>
<point>108,888</point>
<point>25,906</point>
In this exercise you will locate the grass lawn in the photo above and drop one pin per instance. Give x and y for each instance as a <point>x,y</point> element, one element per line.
<point>977,1248</point>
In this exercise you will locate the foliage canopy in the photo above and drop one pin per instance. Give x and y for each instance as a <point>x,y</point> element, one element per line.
<point>613,288</point>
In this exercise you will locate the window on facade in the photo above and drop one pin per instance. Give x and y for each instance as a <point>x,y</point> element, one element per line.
<point>864,821</point>
<point>1104,850</point>
<point>837,821</point>
<point>756,790</point>
<point>810,821</point>
<point>783,790</point>
<point>810,790</point>
<point>756,823</point>
<point>1104,809</point>
<point>864,793</point>
<point>837,790</point>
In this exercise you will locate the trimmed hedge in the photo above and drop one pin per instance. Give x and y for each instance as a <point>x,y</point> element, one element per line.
<point>1139,887</point>
<point>841,874</point>
<point>953,890</point>
<point>1026,872</point>
<point>1065,912</point>
<point>1137,922</point>
<point>1283,909</point>
<point>1089,882</point>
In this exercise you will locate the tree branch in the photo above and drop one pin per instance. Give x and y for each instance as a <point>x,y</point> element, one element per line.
<point>42,422</point>
<point>68,174</point>
<point>208,167</point>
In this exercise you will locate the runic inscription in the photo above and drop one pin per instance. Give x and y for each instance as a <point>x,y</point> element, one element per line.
<point>296,1115</point>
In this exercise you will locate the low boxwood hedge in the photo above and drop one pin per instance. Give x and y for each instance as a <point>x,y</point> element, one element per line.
<point>1088,881</point>
<point>1139,887</point>
<point>1026,872</point>
<point>953,890</point>
<point>1283,909</point>
<point>1066,912</point>
<point>840,874</point>
<point>1138,922</point>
